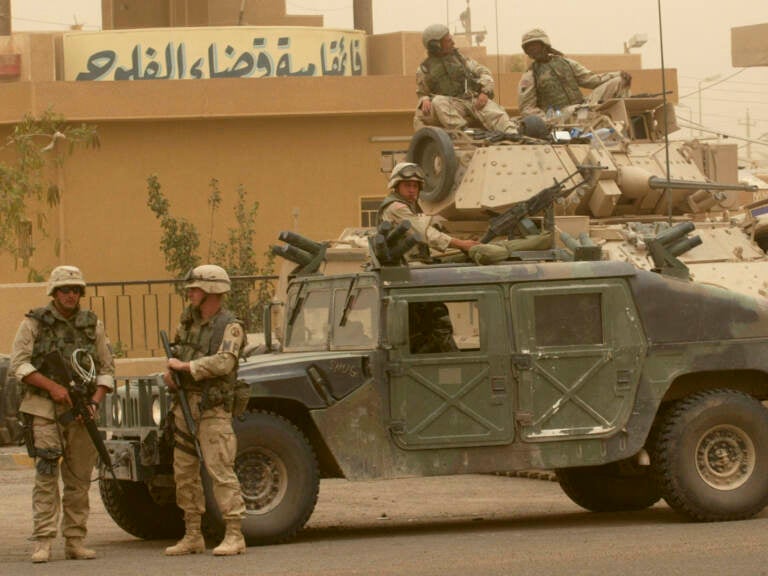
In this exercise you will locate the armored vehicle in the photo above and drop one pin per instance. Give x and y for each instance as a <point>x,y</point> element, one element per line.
<point>632,386</point>
<point>645,183</point>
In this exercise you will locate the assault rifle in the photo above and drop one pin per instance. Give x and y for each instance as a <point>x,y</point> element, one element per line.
<point>77,387</point>
<point>182,396</point>
<point>515,219</point>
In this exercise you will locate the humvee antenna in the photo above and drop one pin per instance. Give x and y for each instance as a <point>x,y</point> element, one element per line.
<point>668,192</point>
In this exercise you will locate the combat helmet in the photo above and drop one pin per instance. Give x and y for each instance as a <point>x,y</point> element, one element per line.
<point>210,278</point>
<point>536,35</point>
<point>65,276</point>
<point>433,33</point>
<point>406,171</point>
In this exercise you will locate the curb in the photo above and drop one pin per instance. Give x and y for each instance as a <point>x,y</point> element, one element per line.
<point>15,462</point>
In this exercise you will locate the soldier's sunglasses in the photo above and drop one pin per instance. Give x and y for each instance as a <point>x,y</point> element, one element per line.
<point>70,289</point>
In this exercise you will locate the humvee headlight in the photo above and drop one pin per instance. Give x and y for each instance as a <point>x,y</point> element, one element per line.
<point>117,412</point>
<point>157,413</point>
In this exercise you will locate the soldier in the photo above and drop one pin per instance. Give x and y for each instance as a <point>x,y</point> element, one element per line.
<point>405,184</point>
<point>60,448</point>
<point>207,348</point>
<point>453,89</point>
<point>552,81</point>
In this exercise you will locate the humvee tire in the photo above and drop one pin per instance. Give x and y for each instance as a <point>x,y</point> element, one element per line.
<point>132,508</point>
<point>279,477</point>
<point>615,487</point>
<point>432,149</point>
<point>710,456</point>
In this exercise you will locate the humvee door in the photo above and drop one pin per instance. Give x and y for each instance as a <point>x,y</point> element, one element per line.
<point>450,379</point>
<point>579,351</point>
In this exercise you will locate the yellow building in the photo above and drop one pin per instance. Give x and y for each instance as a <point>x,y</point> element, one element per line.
<point>296,113</point>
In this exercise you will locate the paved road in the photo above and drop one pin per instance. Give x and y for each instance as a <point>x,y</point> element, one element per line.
<point>478,525</point>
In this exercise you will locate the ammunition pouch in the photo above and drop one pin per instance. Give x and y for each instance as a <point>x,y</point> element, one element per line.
<point>240,398</point>
<point>47,461</point>
<point>217,394</point>
<point>28,433</point>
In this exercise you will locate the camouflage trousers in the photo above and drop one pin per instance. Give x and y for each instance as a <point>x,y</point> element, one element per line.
<point>219,447</point>
<point>613,88</point>
<point>76,467</point>
<point>458,113</point>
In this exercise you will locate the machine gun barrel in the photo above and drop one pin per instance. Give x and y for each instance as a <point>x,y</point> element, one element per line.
<point>656,183</point>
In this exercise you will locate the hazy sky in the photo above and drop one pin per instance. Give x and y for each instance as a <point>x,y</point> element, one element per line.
<point>696,37</point>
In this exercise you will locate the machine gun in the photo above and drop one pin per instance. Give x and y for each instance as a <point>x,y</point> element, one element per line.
<point>182,396</point>
<point>515,221</point>
<point>76,385</point>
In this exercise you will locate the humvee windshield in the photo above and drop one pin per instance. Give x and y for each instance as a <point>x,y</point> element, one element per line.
<point>332,314</point>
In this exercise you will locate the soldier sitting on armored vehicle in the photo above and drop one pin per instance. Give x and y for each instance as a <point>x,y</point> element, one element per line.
<point>552,82</point>
<point>405,184</point>
<point>455,90</point>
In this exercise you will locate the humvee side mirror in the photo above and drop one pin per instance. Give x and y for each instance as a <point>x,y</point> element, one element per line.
<point>397,322</point>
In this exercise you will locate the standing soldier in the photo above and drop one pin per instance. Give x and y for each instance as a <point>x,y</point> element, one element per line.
<point>60,326</point>
<point>207,348</point>
<point>453,89</point>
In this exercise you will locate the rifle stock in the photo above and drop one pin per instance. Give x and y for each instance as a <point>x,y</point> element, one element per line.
<point>182,396</point>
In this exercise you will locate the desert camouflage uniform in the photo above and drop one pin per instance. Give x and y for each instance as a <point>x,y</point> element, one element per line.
<point>555,84</point>
<point>452,81</point>
<point>395,209</point>
<point>212,347</point>
<point>52,439</point>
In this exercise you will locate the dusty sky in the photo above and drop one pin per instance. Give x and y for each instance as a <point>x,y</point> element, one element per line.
<point>696,38</point>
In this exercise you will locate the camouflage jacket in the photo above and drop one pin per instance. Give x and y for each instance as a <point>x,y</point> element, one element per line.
<point>452,75</point>
<point>555,84</point>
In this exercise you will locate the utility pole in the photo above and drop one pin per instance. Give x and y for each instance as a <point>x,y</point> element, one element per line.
<point>748,123</point>
<point>362,13</point>
<point>5,17</point>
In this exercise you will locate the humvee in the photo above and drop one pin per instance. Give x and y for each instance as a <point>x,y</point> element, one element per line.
<point>630,385</point>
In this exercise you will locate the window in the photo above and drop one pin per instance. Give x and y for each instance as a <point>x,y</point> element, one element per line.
<point>568,319</point>
<point>369,210</point>
<point>440,327</point>
<point>360,327</point>
<point>309,328</point>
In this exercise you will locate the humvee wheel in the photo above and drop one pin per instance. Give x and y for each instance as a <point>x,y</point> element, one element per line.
<point>710,456</point>
<point>132,508</point>
<point>432,149</point>
<point>615,487</point>
<point>279,477</point>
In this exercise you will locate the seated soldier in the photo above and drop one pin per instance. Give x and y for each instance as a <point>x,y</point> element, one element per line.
<point>454,90</point>
<point>405,184</point>
<point>553,81</point>
<point>430,328</point>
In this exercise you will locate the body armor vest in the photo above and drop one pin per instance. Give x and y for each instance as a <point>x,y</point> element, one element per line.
<point>448,76</point>
<point>421,248</point>
<point>556,84</point>
<point>66,335</point>
<point>195,340</point>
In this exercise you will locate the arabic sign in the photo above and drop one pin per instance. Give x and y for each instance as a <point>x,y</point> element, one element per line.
<point>224,52</point>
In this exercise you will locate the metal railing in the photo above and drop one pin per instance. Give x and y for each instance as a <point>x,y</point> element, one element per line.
<point>133,312</point>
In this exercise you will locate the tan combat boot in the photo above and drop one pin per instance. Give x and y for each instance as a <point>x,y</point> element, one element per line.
<point>42,552</point>
<point>74,550</point>
<point>233,542</point>
<point>192,543</point>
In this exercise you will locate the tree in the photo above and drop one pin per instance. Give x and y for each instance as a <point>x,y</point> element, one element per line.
<point>37,145</point>
<point>180,242</point>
